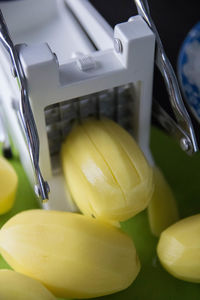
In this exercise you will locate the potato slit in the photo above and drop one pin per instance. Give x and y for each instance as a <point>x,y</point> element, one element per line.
<point>115,179</point>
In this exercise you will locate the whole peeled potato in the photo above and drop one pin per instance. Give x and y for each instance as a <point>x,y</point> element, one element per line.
<point>15,286</point>
<point>74,256</point>
<point>8,185</point>
<point>179,249</point>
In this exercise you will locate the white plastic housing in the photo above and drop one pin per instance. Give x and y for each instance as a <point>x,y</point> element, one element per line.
<point>52,80</point>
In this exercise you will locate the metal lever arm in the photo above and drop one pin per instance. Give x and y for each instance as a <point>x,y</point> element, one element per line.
<point>169,76</point>
<point>26,115</point>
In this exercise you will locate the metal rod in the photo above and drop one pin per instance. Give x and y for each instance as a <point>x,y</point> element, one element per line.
<point>26,115</point>
<point>171,82</point>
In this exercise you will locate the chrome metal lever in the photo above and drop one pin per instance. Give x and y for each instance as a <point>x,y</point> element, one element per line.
<point>168,123</point>
<point>25,112</point>
<point>165,67</point>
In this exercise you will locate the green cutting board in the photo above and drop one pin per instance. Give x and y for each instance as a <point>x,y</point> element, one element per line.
<point>153,282</point>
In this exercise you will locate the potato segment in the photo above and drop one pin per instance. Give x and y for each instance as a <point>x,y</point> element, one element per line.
<point>179,249</point>
<point>71,254</point>
<point>162,209</point>
<point>8,185</point>
<point>106,172</point>
<point>15,286</point>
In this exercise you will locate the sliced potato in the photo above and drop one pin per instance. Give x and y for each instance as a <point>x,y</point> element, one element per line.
<point>162,209</point>
<point>106,172</point>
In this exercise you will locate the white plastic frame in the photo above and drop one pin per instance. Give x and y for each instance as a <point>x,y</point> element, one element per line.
<point>51,81</point>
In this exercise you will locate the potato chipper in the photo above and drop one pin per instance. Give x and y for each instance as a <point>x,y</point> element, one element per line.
<point>60,61</point>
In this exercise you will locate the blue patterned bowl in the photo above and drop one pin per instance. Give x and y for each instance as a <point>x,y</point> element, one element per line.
<point>189,70</point>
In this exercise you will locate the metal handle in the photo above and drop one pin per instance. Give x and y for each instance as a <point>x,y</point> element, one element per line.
<point>26,115</point>
<point>188,134</point>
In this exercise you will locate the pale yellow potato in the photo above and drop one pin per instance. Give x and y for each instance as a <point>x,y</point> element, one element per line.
<point>8,185</point>
<point>162,209</point>
<point>106,172</point>
<point>73,255</point>
<point>179,249</point>
<point>15,286</point>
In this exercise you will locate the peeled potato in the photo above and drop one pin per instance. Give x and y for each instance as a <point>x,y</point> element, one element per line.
<point>15,286</point>
<point>179,249</point>
<point>8,185</point>
<point>106,172</point>
<point>162,209</point>
<point>74,256</point>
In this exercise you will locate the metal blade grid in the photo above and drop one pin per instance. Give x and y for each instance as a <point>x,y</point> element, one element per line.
<point>116,104</point>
